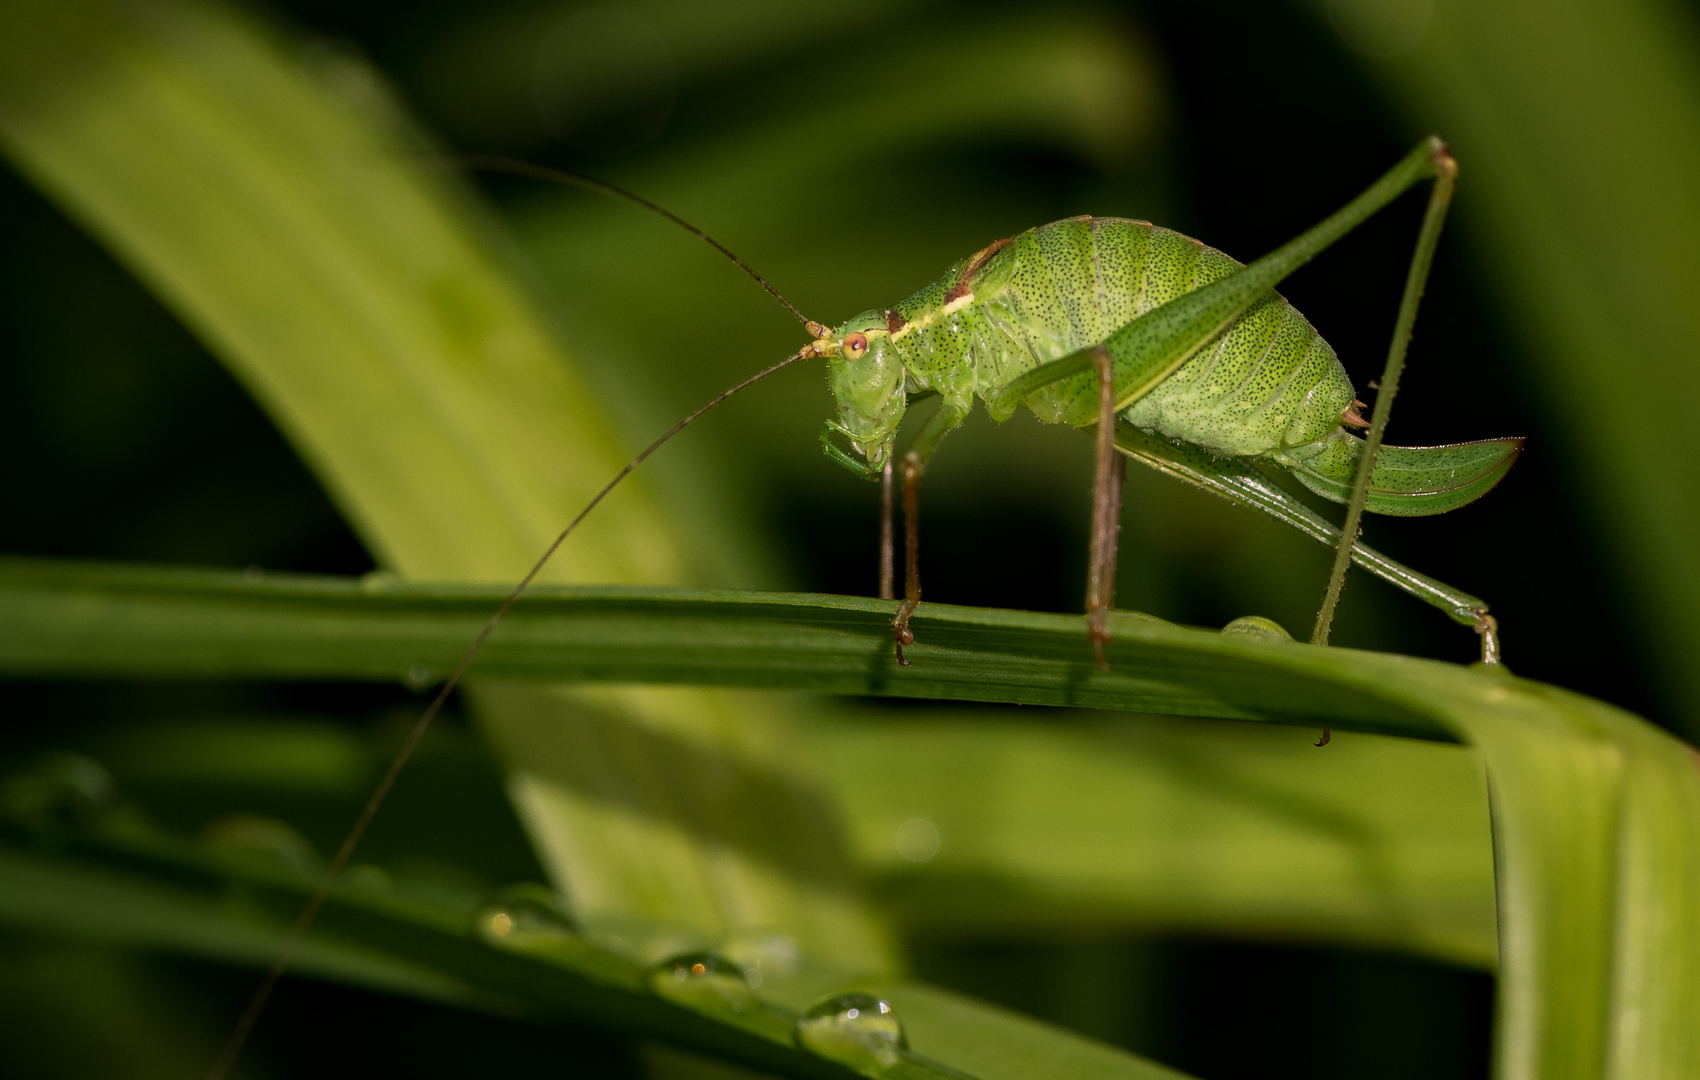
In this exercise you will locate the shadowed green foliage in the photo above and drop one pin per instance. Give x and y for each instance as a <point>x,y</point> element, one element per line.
<point>1579,125</point>
<point>1592,808</point>
<point>279,203</point>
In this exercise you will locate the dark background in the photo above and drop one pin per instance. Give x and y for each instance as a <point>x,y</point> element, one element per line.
<point>125,440</point>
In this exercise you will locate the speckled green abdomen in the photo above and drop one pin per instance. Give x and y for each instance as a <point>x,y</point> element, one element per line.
<point>1266,383</point>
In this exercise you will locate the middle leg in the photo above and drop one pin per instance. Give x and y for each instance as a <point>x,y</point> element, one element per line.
<point>1106,513</point>
<point>888,559</point>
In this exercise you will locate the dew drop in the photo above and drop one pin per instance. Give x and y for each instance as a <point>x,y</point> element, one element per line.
<point>256,837</point>
<point>858,1030</point>
<point>62,790</point>
<point>367,876</point>
<point>917,840</point>
<point>379,580</point>
<point>705,981</point>
<point>1257,628</point>
<point>524,917</point>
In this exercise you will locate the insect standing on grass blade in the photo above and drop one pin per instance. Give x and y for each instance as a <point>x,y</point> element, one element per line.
<point>1174,354</point>
<point>1170,352</point>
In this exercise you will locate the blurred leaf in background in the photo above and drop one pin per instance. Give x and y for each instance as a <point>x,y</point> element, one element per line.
<point>850,151</point>
<point>1238,123</point>
<point>1580,122</point>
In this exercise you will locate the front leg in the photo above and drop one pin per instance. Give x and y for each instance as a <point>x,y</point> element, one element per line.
<point>888,560</point>
<point>949,417</point>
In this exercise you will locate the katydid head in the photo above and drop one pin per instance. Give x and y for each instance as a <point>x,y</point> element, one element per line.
<point>866,377</point>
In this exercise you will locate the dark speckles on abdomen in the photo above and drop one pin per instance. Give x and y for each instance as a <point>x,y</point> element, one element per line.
<point>1068,285</point>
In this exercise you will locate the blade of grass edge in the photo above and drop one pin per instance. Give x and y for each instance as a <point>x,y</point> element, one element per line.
<point>1596,813</point>
<point>131,888</point>
<point>291,217</point>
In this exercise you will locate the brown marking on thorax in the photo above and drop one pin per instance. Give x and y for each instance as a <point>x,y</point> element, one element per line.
<point>963,287</point>
<point>894,322</point>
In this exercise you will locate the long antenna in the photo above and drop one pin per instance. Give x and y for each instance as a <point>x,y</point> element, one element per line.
<point>286,953</point>
<point>497,163</point>
<point>292,941</point>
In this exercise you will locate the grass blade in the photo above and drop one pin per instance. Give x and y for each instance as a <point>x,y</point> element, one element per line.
<point>1596,813</point>
<point>1047,823</point>
<point>278,202</point>
<point>134,888</point>
<point>1595,118</point>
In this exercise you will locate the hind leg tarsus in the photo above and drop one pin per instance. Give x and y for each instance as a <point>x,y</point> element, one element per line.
<point>1488,627</point>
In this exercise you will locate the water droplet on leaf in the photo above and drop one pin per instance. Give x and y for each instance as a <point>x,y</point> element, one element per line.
<point>705,981</point>
<point>62,790</point>
<point>917,840</point>
<point>859,1030</point>
<point>267,838</point>
<point>379,580</point>
<point>1257,628</point>
<point>367,876</point>
<point>524,917</point>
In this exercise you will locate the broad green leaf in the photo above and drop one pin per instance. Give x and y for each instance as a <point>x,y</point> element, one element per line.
<point>1596,814</point>
<point>329,270</point>
<point>70,618</point>
<point>305,239</point>
<point>293,220</point>
<point>989,825</point>
<point>129,886</point>
<point>71,1011</point>
<point>1577,128</point>
<point>1049,822</point>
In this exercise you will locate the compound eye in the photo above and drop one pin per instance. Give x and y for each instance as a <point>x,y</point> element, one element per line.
<point>855,346</point>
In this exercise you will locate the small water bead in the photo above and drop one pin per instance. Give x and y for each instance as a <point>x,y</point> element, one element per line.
<point>859,1030</point>
<point>524,917</point>
<point>369,877</point>
<point>255,836</point>
<point>704,981</point>
<point>917,840</point>
<point>379,580</point>
<point>61,790</point>
<point>1257,628</point>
